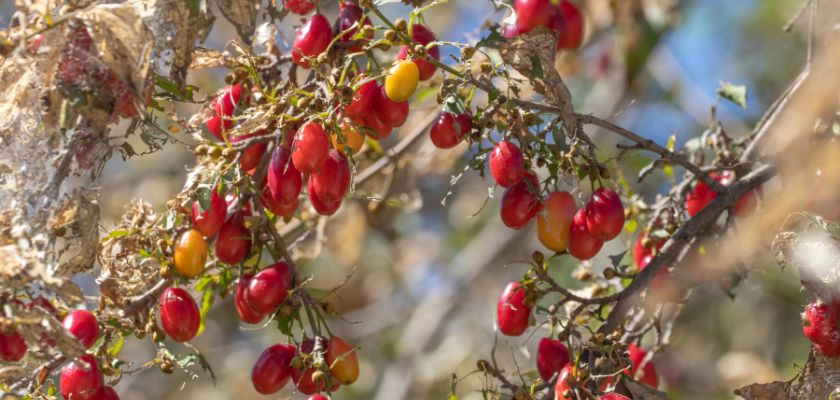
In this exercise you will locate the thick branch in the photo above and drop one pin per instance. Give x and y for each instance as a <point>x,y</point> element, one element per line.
<point>681,238</point>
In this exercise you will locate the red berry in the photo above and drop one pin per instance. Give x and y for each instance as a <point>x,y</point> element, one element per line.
<point>300,7</point>
<point>446,132</point>
<point>423,35</point>
<point>582,245</point>
<point>83,325</point>
<point>332,181</point>
<point>243,308</point>
<point>376,129</point>
<point>507,164</point>
<point>614,396</point>
<point>511,31</point>
<point>552,356</point>
<point>312,146</point>
<point>648,374</point>
<point>323,207</point>
<point>282,178</point>
<point>520,203</point>
<point>391,113</point>
<point>106,393</point>
<point>228,99</point>
<point>317,397</point>
<point>747,203</point>
<point>563,382</point>
<point>311,40</point>
<point>252,155</point>
<point>211,219</point>
<point>572,34</point>
<point>533,13</point>
<point>277,206</point>
<point>273,368</point>
<point>179,315</point>
<point>511,311</point>
<point>464,123</point>
<point>699,197</point>
<point>820,327</point>
<point>81,378</point>
<point>363,100</point>
<point>605,214</point>
<point>12,346</point>
<point>234,241</point>
<point>348,15</point>
<point>269,287</point>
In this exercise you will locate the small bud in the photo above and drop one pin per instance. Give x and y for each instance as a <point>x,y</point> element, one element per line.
<point>322,58</point>
<point>214,152</point>
<point>367,31</point>
<point>420,50</point>
<point>483,366</point>
<point>538,257</point>
<point>318,376</point>
<point>609,273</point>
<point>201,149</point>
<point>165,272</point>
<point>468,52</point>
<point>486,67</point>
<point>598,338</point>
<point>401,25</point>
<point>390,35</point>
<point>166,367</point>
<point>647,242</point>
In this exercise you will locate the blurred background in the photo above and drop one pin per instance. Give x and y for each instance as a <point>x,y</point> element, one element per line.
<point>421,302</point>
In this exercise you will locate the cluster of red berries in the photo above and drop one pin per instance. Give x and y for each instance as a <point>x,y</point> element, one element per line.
<point>281,362</point>
<point>820,326</point>
<point>701,195</point>
<point>80,379</point>
<point>561,226</point>
<point>644,371</point>
<point>564,18</point>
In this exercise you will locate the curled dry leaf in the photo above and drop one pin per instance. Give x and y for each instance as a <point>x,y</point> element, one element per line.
<point>764,391</point>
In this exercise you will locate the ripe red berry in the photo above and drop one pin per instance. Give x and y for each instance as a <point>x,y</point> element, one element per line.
<point>312,145</point>
<point>520,203</point>
<point>363,99</point>
<point>423,35</point>
<point>376,129</point>
<point>269,287</point>
<point>342,360</point>
<point>698,198</point>
<point>448,131</point>
<point>252,155</point>
<point>278,207</point>
<point>648,374</point>
<point>533,13</point>
<point>820,326</point>
<point>12,346</point>
<point>243,308</point>
<point>323,207</point>
<point>83,325</point>
<point>348,15</point>
<point>511,311</point>
<point>564,382</point>
<point>228,99</point>
<point>209,220</point>
<point>571,36</point>
<point>106,393</point>
<point>391,113</point>
<point>179,315</point>
<point>507,164</point>
<point>582,245</point>
<point>234,240</point>
<point>317,397</point>
<point>282,178</point>
<point>552,356</point>
<point>273,368</point>
<point>614,396</point>
<point>604,214</point>
<point>311,40</point>
<point>81,378</point>
<point>332,181</point>
<point>300,7</point>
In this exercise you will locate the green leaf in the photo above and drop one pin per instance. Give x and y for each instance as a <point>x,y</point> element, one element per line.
<point>734,93</point>
<point>116,346</point>
<point>118,233</point>
<point>206,303</point>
